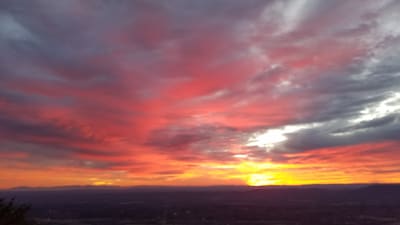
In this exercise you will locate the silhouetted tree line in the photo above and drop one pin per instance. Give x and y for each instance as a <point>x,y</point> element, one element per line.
<point>13,214</point>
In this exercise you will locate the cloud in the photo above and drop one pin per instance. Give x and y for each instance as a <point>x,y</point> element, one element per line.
<point>164,88</point>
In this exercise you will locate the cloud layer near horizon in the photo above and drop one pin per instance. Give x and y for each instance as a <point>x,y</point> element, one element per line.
<point>151,92</point>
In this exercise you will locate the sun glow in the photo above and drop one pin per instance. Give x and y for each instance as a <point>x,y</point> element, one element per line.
<point>256,174</point>
<point>267,173</point>
<point>100,182</point>
<point>260,180</point>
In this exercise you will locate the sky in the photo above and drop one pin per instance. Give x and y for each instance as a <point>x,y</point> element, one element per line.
<point>211,92</point>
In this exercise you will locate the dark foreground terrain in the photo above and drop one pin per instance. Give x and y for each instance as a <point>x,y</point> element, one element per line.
<point>305,205</point>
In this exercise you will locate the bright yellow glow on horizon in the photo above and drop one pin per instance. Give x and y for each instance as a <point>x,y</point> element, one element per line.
<point>258,174</point>
<point>260,180</point>
<point>240,171</point>
<point>99,182</point>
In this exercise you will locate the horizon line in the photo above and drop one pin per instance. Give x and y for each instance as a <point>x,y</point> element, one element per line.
<point>66,187</point>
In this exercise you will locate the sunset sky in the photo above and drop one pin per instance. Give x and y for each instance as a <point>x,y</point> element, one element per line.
<point>208,92</point>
